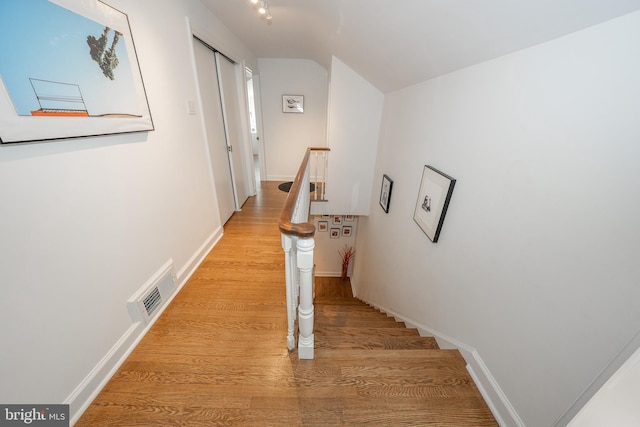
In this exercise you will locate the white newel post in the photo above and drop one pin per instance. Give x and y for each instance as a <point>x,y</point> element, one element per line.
<point>291,291</point>
<point>298,245</point>
<point>305,309</point>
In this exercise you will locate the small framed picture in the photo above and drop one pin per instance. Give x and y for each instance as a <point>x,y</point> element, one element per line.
<point>337,219</point>
<point>434,196</point>
<point>349,218</point>
<point>293,103</point>
<point>346,230</point>
<point>385,193</point>
<point>323,226</point>
<point>335,233</point>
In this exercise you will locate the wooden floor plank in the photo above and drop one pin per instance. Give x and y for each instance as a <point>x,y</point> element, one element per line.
<point>217,356</point>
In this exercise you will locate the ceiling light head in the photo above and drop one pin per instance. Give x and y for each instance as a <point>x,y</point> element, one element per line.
<point>262,6</point>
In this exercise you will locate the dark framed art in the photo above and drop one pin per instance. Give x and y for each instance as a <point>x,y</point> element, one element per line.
<point>87,83</point>
<point>323,226</point>
<point>385,192</point>
<point>434,196</point>
<point>334,233</point>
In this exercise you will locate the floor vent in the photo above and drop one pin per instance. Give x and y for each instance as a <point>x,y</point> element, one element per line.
<point>145,304</point>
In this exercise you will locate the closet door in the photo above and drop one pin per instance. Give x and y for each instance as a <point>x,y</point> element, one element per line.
<point>215,129</point>
<point>232,108</point>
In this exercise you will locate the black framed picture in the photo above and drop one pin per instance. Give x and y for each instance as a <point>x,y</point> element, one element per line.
<point>323,226</point>
<point>335,233</point>
<point>385,192</point>
<point>347,230</point>
<point>434,196</point>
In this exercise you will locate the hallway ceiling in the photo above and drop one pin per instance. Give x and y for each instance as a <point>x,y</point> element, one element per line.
<point>397,43</point>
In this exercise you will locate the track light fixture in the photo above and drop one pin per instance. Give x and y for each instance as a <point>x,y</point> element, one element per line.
<point>262,6</point>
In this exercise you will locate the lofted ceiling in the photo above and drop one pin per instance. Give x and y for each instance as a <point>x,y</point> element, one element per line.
<point>397,43</point>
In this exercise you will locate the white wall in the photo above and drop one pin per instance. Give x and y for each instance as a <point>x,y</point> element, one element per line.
<point>616,403</point>
<point>355,109</point>
<point>537,264</point>
<point>287,135</point>
<point>86,222</point>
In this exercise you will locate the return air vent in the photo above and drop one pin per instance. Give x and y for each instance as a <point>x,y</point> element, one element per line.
<point>152,301</point>
<point>154,294</point>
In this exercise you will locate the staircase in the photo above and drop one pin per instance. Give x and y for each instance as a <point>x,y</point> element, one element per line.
<point>379,372</point>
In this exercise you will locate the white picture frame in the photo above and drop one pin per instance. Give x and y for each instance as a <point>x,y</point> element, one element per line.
<point>73,89</point>
<point>293,104</point>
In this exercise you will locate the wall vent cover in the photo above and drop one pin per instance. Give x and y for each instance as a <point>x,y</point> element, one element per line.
<point>152,301</point>
<point>153,295</point>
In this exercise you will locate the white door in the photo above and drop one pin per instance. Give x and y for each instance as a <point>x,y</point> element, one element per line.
<point>231,108</point>
<point>214,126</point>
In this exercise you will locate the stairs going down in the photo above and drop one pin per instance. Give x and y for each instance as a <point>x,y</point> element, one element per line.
<point>379,372</point>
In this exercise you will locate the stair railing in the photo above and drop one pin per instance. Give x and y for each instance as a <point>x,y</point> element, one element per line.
<point>298,244</point>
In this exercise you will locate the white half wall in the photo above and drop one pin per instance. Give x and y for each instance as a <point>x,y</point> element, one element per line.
<point>355,109</point>
<point>86,222</point>
<point>537,263</point>
<point>286,136</point>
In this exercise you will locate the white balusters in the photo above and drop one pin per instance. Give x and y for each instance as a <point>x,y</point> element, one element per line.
<point>290,270</point>
<point>298,245</point>
<point>305,309</point>
<point>319,177</point>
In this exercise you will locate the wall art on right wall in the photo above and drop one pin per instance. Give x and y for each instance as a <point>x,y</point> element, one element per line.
<point>385,192</point>
<point>435,193</point>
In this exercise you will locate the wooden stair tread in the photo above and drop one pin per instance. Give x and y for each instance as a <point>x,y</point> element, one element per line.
<point>404,355</point>
<point>388,343</point>
<point>354,323</point>
<point>340,331</point>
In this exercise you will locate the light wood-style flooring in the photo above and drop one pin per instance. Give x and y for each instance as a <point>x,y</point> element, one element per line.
<point>217,356</point>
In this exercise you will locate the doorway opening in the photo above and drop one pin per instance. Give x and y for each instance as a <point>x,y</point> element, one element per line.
<point>256,143</point>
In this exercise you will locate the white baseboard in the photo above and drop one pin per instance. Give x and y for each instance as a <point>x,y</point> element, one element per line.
<point>80,399</point>
<point>285,178</point>
<point>502,410</point>
<point>328,273</point>
<point>197,258</point>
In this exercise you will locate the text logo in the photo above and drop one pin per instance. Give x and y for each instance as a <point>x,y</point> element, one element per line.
<point>34,415</point>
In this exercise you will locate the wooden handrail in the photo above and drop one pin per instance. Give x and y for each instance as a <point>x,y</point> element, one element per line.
<point>304,229</point>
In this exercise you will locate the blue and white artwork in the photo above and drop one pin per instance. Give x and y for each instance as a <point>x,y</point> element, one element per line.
<point>70,71</point>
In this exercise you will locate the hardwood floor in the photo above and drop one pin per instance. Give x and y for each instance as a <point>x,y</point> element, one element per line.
<point>217,356</point>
